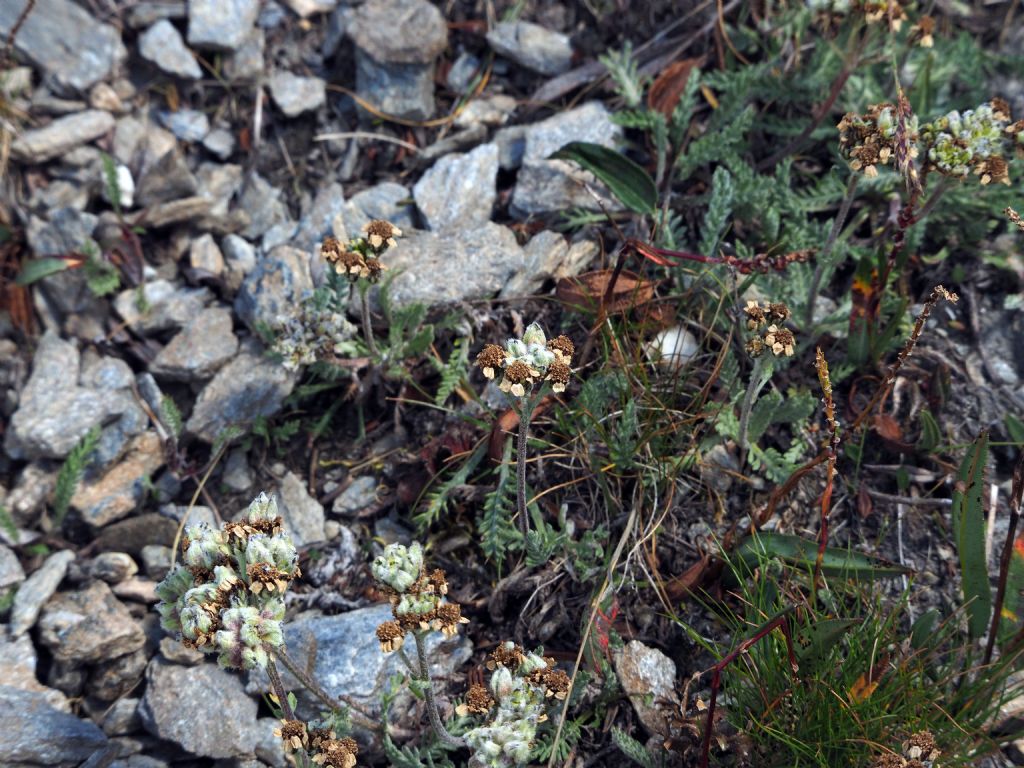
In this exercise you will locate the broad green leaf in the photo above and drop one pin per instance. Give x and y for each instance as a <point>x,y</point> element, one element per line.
<point>802,553</point>
<point>37,269</point>
<point>969,532</point>
<point>814,642</point>
<point>628,181</point>
<point>923,629</point>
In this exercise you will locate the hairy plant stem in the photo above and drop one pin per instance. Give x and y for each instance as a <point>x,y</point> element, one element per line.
<point>526,411</point>
<point>325,698</point>
<point>364,306</point>
<point>757,380</point>
<point>428,687</point>
<point>833,235</point>
<point>277,685</point>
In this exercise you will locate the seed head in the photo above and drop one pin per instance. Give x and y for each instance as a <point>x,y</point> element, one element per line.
<point>380,233</point>
<point>491,359</point>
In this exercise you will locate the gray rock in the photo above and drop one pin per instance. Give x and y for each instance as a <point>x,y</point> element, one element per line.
<point>205,255</point>
<point>156,560</point>
<point>436,268</point>
<point>294,95</point>
<point>169,178</point>
<point>279,234</point>
<point>361,493</point>
<point>187,124</point>
<point>511,143</point>
<point>62,135</point>
<point>237,475</point>
<point>648,677</point>
<point>112,679</point>
<point>324,217</point>
<point>399,31</point>
<point>306,8</point>
<point>487,111</point>
<point>344,656</point>
<point>403,90</point>
<point>66,42</point>
<point>67,230</point>
<point>219,183</point>
<point>303,515</point>
<point>36,733</point>
<point>199,349</point>
<point>220,143</point>
<point>113,567</point>
<point>177,698</point>
<point>11,572</point>
<point>276,287</point>
<point>458,191</point>
<point>122,717</point>
<point>18,661</point>
<point>119,491</point>
<point>548,257</point>
<point>240,257</point>
<point>247,387</point>
<point>36,590</point>
<point>543,185</point>
<point>175,652</point>
<point>385,201</point>
<point>221,24</point>
<point>105,373</point>
<point>164,306</point>
<point>148,12</point>
<point>54,413</point>
<point>88,626</point>
<point>136,590</point>
<point>462,72</point>
<point>247,62</point>
<point>26,500</point>
<point>162,45</point>
<point>262,201</point>
<point>533,46</point>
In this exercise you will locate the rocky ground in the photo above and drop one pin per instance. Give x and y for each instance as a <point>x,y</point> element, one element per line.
<point>240,134</point>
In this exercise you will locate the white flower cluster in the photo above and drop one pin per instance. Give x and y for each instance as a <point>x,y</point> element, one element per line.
<point>527,361</point>
<point>227,594</point>
<point>976,138</point>
<point>399,567</point>
<point>313,332</point>
<point>507,739</point>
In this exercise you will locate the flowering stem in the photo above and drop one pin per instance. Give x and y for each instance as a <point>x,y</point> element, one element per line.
<point>313,687</point>
<point>758,377</point>
<point>524,429</point>
<point>364,303</point>
<point>428,687</point>
<point>277,685</point>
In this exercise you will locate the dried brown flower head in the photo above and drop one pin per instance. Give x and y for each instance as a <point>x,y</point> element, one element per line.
<point>923,32</point>
<point>921,746</point>
<point>508,655</point>
<point>778,312</point>
<point>889,760</point>
<point>265,576</point>
<point>1001,108</point>
<point>756,315</point>
<point>556,683</point>
<point>491,359</point>
<point>380,233</point>
<point>779,340</point>
<point>992,169</point>
<point>517,375</point>
<point>337,753</point>
<point>448,617</point>
<point>293,734</point>
<point>563,347</point>
<point>478,701</point>
<point>755,346</point>
<point>390,635</point>
<point>437,582</point>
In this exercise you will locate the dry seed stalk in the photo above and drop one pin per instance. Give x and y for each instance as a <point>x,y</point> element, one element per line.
<point>821,364</point>
<point>1014,217</point>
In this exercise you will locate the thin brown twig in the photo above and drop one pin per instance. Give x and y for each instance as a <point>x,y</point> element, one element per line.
<point>821,365</point>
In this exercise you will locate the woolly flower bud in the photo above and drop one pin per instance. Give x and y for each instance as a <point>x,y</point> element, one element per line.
<point>171,592</point>
<point>224,578</point>
<point>205,548</point>
<point>534,334</point>
<point>263,507</point>
<point>532,663</point>
<point>502,683</point>
<point>416,605</point>
<point>276,550</point>
<point>245,632</point>
<point>399,567</point>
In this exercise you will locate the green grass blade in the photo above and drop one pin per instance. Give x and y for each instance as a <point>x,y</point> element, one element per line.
<point>969,531</point>
<point>802,553</point>
<point>628,181</point>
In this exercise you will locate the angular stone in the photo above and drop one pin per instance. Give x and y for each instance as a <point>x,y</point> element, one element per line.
<point>118,492</point>
<point>247,387</point>
<point>399,31</point>
<point>548,257</point>
<point>648,677</point>
<point>132,534</point>
<point>294,95</point>
<point>306,8</point>
<point>18,661</point>
<point>303,515</point>
<point>36,733</point>
<point>262,201</point>
<point>275,288</point>
<point>89,625</point>
<point>63,39</point>
<point>237,476</point>
<point>491,110</point>
<point>458,191</point>
<point>533,46</point>
<point>199,349</point>
<point>54,414</point>
<point>205,255</point>
<point>169,178</point>
<point>148,12</point>
<point>403,90</point>
<point>178,698</point>
<point>187,124</point>
<point>11,572</point>
<point>26,500</point>
<point>220,142</point>
<point>163,306</point>
<point>60,136</point>
<point>112,679</point>
<point>322,219</point>
<point>68,229</point>
<point>36,590</point>
<point>360,494</point>
<point>436,268</point>
<point>113,567</point>
<point>247,61</point>
<point>221,24</point>
<point>122,717</point>
<point>156,560</point>
<point>162,45</point>
<point>543,185</point>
